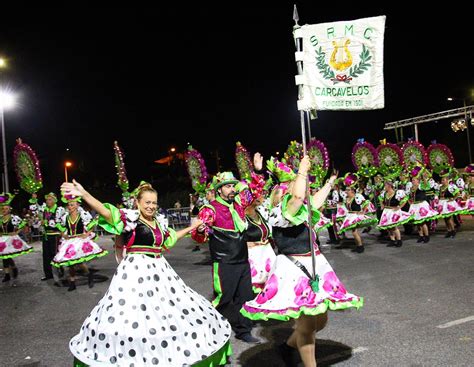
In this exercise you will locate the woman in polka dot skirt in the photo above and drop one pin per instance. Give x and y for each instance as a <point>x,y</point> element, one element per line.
<point>148,316</point>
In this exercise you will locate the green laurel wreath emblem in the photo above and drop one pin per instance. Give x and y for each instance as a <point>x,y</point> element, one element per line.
<point>355,71</point>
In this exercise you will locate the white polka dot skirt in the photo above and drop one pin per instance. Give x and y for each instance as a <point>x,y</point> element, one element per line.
<point>149,317</point>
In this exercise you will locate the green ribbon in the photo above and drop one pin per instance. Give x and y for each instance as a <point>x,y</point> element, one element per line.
<point>239,223</point>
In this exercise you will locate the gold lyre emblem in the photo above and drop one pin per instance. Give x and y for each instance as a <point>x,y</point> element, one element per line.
<point>341,57</point>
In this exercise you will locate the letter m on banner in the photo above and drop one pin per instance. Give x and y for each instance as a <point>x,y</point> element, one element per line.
<point>342,65</point>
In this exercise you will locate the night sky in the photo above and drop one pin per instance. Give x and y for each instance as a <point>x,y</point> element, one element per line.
<point>209,76</point>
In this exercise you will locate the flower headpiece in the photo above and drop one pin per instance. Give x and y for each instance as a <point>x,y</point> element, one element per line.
<point>6,198</point>
<point>280,170</point>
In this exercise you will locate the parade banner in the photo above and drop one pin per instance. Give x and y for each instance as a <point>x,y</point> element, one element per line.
<point>342,65</point>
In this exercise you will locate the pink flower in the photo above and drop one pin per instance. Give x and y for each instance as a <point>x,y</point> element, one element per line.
<point>3,245</point>
<point>17,244</point>
<point>271,288</point>
<point>304,293</point>
<point>395,217</point>
<point>470,205</point>
<point>283,167</point>
<point>423,212</point>
<point>268,265</point>
<point>451,208</point>
<point>70,252</point>
<point>253,271</point>
<point>87,247</point>
<point>340,211</point>
<point>333,286</point>
<point>384,219</point>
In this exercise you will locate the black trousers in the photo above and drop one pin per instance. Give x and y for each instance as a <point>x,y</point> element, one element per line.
<point>232,288</point>
<point>50,247</point>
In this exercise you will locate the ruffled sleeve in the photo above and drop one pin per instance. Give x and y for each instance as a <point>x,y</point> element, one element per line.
<point>61,223</point>
<point>402,197</point>
<point>123,220</point>
<point>171,238</point>
<point>453,189</point>
<point>208,215</point>
<point>302,215</point>
<point>17,222</point>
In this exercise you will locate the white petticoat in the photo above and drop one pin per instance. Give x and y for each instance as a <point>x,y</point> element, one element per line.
<point>149,317</point>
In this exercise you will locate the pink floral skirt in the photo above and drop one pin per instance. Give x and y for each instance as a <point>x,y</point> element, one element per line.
<point>13,246</point>
<point>323,223</point>
<point>288,292</point>
<point>354,220</point>
<point>341,212</point>
<point>392,218</point>
<point>422,212</point>
<point>469,206</point>
<point>77,250</point>
<point>261,260</point>
<point>448,208</point>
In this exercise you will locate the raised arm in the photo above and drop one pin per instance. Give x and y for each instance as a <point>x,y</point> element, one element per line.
<point>75,188</point>
<point>320,197</point>
<point>298,193</point>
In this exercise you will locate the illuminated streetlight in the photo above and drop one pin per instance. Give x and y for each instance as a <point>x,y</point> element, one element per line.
<point>172,150</point>
<point>7,100</point>
<point>3,62</point>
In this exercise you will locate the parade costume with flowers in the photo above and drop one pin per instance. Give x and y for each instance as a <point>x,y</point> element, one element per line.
<point>289,292</point>
<point>149,316</point>
<point>51,218</point>
<point>393,215</point>
<point>76,248</point>
<point>469,190</point>
<point>11,245</point>
<point>261,254</point>
<point>420,209</point>
<point>447,205</point>
<point>355,217</point>
<point>225,228</point>
<point>356,208</point>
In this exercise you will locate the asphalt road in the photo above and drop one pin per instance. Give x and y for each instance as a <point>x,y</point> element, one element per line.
<point>419,307</point>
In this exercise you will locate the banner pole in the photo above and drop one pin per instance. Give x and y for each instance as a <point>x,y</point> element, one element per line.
<point>299,65</point>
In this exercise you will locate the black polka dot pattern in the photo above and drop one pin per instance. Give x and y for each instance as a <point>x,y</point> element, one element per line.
<point>149,317</point>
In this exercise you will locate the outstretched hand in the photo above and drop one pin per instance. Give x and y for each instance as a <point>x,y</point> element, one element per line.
<point>334,175</point>
<point>258,161</point>
<point>73,188</point>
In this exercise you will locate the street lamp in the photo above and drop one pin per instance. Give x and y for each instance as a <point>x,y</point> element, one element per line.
<point>66,165</point>
<point>463,124</point>
<point>7,100</point>
<point>3,62</point>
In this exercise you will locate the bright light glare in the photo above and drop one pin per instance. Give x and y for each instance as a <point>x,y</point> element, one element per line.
<point>7,100</point>
<point>68,164</point>
<point>3,63</point>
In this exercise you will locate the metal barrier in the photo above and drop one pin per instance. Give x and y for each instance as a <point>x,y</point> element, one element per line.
<point>178,217</point>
